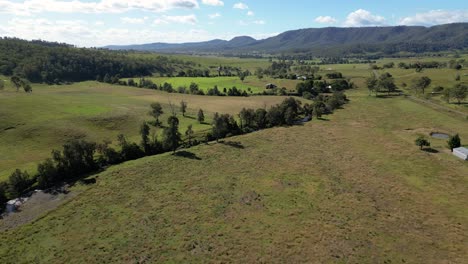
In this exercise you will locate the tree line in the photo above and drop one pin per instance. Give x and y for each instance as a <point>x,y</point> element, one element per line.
<point>81,157</point>
<point>55,63</point>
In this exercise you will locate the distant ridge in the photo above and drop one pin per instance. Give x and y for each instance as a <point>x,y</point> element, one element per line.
<point>329,40</point>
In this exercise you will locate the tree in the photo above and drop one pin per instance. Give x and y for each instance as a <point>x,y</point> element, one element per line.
<point>27,88</point>
<point>183,107</point>
<point>47,174</point>
<point>18,182</point>
<point>259,73</point>
<point>247,118</point>
<point>16,82</point>
<point>459,92</point>
<point>145,141</point>
<point>189,133</point>
<point>447,94</point>
<point>371,84</point>
<point>454,142</point>
<point>422,142</point>
<point>2,84</point>
<point>261,118</point>
<point>171,134</point>
<point>387,82</point>
<point>420,84</point>
<point>156,111</point>
<point>200,116</point>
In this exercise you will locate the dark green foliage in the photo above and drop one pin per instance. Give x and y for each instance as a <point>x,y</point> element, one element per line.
<point>129,150</point>
<point>459,92</point>
<point>260,118</point>
<point>47,62</point>
<point>47,174</point>
<point>224,125</point>
<point>76,158</point>
<point>247,118</point>
<point>145,141</point>
<point>107,155</point>
<point>422,142</point>
<point>386,82</point>
<point>189,133</point>
<point>183,107</point>
<point>334,75</point>
<point>18,183</point>
<point>420,84</point>
<point>200,116</point>
<point>171,135</point>
<point>454,142</point>
<point>156,111</point>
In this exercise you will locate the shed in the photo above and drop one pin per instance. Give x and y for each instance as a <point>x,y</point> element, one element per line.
<point>270,86</point>
<point>461,152</point>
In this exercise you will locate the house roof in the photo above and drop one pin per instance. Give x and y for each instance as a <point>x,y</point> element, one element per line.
<point>461,150</point>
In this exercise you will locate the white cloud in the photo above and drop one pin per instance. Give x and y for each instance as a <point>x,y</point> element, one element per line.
<point>189,19</point>
<point>215,15</point>
<point>259,22</point>
<point>363,18</point>
<point>325,20</point>
<point>435,17</point>
<point>30,7</point>
<point>132,20</point>
<point>241,6</point>
<point>213,2</point>
<point>87,34</point>
<point>250,13</point>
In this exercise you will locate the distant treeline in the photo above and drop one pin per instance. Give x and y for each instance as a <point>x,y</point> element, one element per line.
<point>46,62</point>
<point>80,157</point>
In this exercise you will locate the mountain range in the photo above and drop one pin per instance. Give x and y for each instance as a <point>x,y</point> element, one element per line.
<point>330,40</point>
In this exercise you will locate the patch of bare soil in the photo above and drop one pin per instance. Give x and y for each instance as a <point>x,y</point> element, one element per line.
<point>38,204</point>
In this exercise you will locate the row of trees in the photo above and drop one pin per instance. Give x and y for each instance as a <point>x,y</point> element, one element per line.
<point>80,157</point>
<point>453,142</point>
<point>384,83</point>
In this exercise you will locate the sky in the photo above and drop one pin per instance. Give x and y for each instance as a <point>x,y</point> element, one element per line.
<point>95,23</point>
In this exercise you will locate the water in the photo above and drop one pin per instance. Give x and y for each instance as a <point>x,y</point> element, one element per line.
<point>439,135</point>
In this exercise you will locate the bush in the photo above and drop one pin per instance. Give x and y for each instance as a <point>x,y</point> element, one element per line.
<point>18,183</point>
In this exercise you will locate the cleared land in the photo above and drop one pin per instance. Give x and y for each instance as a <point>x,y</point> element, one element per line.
<point>256,85</point>
<point>353,189</point>
<point>31,125</point>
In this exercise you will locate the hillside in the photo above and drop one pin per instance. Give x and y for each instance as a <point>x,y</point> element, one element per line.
<point>325,192</point>
<point>332,40</point>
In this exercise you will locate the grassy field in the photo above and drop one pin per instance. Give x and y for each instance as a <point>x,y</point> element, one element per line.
<point>256,85</point>
<point>350,189</point>
<point>31,125</point>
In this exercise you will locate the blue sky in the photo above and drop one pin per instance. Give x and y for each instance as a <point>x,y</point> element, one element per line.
<point>102,22</point>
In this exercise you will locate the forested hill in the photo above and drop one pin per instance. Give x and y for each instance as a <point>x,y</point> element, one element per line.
<point>333,41</point>
<point>49,62</point>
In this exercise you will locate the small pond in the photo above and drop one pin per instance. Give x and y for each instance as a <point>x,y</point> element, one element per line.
<point>439,135</point>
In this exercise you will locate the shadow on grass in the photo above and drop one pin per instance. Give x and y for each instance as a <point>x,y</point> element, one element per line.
<point>323,119</point>
<point>431,150</point>
<point>234,144</point>
<point>187,155</point>
<point>189,117</point>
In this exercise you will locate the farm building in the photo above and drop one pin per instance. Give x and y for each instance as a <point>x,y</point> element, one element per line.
<point>270,86</point>
<point>462,153</point>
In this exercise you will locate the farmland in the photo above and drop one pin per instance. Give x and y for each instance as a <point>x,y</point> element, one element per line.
<point>351,188</point>
<point>31,125</point>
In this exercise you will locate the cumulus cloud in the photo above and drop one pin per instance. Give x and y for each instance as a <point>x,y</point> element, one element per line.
<point>259,22</point>
<point>189,19</point>
<point>30,7</point>
<point>215,15</point>
<point>363,18</point>
<point>241,6</point>
<point>132,20</point>
<point>435,17</point>
<point>213,2</point>
<point>325,20</point>
<point>250,13</point>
